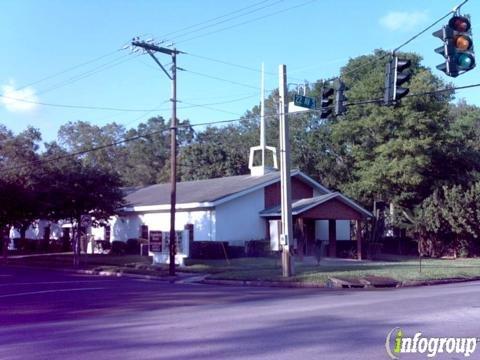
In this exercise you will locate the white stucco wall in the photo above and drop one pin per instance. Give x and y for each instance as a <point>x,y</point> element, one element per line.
<point>342,226</point>
<point>238,220</point>
<point>128,226</point>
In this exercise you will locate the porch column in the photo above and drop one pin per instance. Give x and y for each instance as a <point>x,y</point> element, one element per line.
<point>332,238</point>
<point>358,237</point>
<point>300,238</point>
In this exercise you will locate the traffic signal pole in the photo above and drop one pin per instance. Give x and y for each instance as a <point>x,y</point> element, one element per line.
<point>286,237</point>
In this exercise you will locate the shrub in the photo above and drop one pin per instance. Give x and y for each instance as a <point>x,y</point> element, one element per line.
<point>209,249</point>
<point>118,248</point>
<point>257,248</point>
<point>235,251</point>
<point>346,249</point>
<point>55,245</point>
<point>132,247</point>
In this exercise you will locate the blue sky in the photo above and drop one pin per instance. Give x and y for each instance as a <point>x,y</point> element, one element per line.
<point>313,38</point>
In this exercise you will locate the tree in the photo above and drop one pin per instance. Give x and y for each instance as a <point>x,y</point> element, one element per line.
<point>19,180</point>
<point>148,160</point>
<point>450,219</point>
<point>81,136</point>
<point>217,152</point>
<point>80,193</point>
<point>142,161</point>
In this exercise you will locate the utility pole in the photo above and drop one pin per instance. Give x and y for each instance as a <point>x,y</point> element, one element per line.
<point>151,49</point>
<point>286,237</point>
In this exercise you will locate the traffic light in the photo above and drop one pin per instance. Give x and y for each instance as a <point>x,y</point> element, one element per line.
<point>326,102</point>
<point>340,98</point>
<point>457,46</point>
<point>396,74</point>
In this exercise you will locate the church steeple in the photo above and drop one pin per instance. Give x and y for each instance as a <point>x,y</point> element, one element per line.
<point>258,170</point>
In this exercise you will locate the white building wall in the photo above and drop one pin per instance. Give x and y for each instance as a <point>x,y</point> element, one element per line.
<point>128,226</point>
<point>238,220</point>
<point>342,226</point>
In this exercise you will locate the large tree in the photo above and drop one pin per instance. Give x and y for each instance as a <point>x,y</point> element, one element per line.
<point>19,180</point>
<point>80,193</point>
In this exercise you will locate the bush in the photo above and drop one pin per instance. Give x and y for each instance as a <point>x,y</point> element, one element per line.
<point>374,249</point>
<point>235,251</point>
<point>209,249</point>
<point>55,245</point>
<point>257,248</point>
<point>347,249</point>
<point>132,247</point>
<point>30,245</point>
<point>118,248</point>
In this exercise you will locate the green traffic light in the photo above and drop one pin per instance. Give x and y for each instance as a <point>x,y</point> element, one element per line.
<point>465,61</point>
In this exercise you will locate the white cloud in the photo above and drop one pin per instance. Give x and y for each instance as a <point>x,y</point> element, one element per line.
<point>18,100</point>
<point>403,20</point>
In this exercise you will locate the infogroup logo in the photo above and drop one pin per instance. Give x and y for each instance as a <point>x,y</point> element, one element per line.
<point>397,343</point>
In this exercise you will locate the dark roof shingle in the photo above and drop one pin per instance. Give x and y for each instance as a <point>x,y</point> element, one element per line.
<point>199,191</point>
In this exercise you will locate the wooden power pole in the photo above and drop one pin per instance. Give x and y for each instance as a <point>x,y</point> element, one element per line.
<point>151,49</point>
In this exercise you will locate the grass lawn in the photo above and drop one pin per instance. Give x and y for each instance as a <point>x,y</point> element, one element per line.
<point>400,270</point>
<point>269,269</point>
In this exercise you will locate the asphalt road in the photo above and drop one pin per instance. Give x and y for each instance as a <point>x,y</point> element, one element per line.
<point>56,315</point>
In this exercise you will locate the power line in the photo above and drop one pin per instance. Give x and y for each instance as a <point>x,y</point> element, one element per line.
<point>68,69</point>
<point>108,65</point>
<point>247,22</point>
<point>210,108</point>
<point>225,20</point>
<point>213,19</point>
<point>133,138</point>
<point>362,102</point>
<point>107,108</point>
<point>249,68</point>
<point>230,64</point>
<point>424,93</point>
<point>70,106</point>
<point>222,79</point>
<point>91,72</point>
<point>422,32</point>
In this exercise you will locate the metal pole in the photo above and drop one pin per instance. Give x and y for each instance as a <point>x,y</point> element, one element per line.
<point>262,115</point>
<point>285,181</point>
<point>173,162</point>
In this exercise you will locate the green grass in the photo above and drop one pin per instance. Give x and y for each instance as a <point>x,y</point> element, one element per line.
<point>221,266</point>
<point>269,269</point>
<point>406,270</point>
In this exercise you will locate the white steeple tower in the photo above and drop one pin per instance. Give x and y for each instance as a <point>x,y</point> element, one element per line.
<point>258,170</point>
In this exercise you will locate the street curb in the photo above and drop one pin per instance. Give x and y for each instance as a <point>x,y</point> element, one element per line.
<point>258,283</point>
<point>329,285</point>
<point>413,283</point>
<point>203,279</point>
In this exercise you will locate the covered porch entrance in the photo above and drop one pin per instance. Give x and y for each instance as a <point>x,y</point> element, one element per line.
<point>320,221</point>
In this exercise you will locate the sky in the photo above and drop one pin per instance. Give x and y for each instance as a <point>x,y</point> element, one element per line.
<point>71,53</point>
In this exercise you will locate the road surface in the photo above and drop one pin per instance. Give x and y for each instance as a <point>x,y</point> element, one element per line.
<point>59,315</point>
